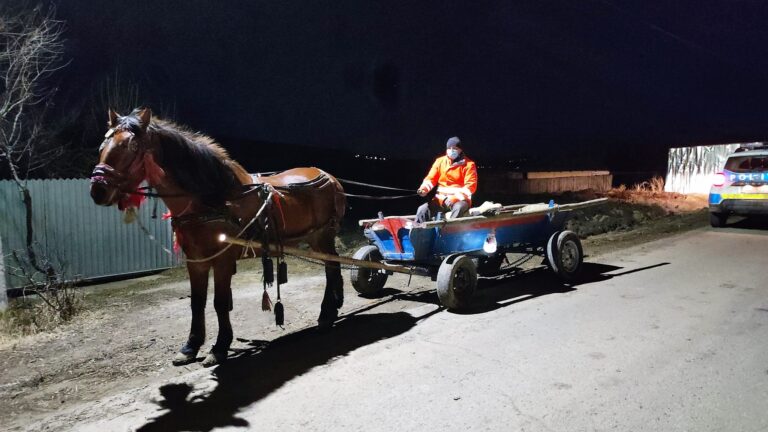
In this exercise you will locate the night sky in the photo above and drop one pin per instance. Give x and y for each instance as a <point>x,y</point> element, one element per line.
<point>546,77</point>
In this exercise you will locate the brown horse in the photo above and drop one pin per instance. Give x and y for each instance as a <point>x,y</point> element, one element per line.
<point>204,190</point>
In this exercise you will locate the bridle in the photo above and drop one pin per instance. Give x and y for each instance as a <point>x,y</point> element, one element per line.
<point>128,181</point>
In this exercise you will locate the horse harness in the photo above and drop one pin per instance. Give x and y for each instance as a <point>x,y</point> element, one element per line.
<point>267,229</point>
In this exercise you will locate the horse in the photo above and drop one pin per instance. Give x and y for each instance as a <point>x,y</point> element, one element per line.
<point>207,194</point>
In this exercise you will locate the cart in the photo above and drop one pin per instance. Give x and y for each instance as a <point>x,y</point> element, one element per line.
<point>454,252</point>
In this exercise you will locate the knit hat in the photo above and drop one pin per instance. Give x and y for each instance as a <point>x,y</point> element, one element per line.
<point>453,142</point>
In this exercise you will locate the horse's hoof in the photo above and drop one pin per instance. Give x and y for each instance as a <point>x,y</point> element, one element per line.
<point>324,324</point>
<point>182,359</point>
<point>214,358</point>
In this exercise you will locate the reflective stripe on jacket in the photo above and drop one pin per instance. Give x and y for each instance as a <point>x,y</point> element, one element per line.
<point>453,179</point>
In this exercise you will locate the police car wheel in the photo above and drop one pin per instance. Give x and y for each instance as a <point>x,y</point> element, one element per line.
<point>718,220</point>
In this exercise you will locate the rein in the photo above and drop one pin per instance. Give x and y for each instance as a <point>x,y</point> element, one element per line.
<point>322,179</point>
<point>242,231</point>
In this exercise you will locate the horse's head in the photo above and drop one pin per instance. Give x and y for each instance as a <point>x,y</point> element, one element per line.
<point>125,159</point>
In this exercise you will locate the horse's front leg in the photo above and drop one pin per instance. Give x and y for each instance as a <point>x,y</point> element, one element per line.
<point>198,282</point>
<point>222,302</point>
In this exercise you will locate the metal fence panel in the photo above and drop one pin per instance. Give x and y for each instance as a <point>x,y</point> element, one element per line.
<point>690,169</point>
<point>88,241</point>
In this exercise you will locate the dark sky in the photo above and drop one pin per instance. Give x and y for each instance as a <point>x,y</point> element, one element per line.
<point>400,77</point>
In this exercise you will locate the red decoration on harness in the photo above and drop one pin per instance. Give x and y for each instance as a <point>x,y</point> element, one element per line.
<point>131,200</point>
<point>280,208</point>
<point>144,168</point>
<point>177,241</point>
<point>176,234</point>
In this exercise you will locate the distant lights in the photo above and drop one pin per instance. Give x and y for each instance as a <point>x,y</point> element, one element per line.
<point>370,157</point>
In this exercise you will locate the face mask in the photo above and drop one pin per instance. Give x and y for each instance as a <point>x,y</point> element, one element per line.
<point>452,153</point>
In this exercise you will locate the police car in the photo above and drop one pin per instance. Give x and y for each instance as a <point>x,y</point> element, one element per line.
<point>742,187</point>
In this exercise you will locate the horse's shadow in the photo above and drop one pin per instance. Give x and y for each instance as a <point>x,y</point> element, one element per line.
<point>256,372</point>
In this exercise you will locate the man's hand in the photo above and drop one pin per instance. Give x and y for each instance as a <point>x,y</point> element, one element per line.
<point>422,191</point>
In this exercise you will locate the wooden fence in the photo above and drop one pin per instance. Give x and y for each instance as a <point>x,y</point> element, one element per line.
<point>517,183</point>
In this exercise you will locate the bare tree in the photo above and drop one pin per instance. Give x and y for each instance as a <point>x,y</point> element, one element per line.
<point>31,50</point>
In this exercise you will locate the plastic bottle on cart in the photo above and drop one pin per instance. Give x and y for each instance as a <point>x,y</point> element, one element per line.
<point>439,216</point>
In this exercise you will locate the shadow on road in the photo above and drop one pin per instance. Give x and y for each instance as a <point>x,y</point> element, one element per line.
<point>515,286</point>
<point>256,372</point>
<point>752,223</point>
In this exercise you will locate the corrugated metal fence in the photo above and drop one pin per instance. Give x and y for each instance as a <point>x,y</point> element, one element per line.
<point>88,241</point>
<point>690,169</point>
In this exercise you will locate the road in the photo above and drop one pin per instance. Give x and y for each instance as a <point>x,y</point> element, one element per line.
<point>666,336</point>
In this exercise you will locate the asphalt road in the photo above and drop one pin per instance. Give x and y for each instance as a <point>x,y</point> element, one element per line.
<point>667,336</point>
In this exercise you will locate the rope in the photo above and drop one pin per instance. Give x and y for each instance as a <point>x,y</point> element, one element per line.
<point>371,197</point>
<point>263,207</point>
<point>373,185</point>
<point>152,236</point>
<point>321,262</point>
<point>357,183</point>
<point>323,178</point>
<point>217,254</point>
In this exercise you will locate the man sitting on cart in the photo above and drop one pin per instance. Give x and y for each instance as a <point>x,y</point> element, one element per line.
<point>455,176</point>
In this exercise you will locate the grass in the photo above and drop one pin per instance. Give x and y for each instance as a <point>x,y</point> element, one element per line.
<point>30,315</point>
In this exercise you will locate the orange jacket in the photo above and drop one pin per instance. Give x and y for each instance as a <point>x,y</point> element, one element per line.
<point>453,179</point>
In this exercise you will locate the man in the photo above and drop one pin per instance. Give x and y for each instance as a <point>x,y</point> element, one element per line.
<point>455,176</point>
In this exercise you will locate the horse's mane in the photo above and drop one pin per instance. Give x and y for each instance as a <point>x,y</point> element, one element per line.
<point>195,161</point>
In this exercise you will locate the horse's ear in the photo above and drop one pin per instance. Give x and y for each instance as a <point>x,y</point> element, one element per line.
<point>145,115</point>
<point>112,118</point>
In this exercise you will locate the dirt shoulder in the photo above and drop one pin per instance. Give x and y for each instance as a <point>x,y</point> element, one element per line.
<point>131,329</point>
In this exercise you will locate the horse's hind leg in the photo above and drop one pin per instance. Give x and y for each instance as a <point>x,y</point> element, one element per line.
<point>222,302</point>
<point>333,298</point>
<point>198,282</point>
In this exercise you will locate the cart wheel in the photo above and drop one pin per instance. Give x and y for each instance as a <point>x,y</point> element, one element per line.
<point>564,254</point>
<point>368,281</point>
<point>456,281</point>
<point>490,265</point>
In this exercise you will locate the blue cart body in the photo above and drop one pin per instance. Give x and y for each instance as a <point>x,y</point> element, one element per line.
<point>399,239</point>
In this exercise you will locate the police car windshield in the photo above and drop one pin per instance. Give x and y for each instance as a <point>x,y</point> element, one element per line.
<point>743,164</point>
